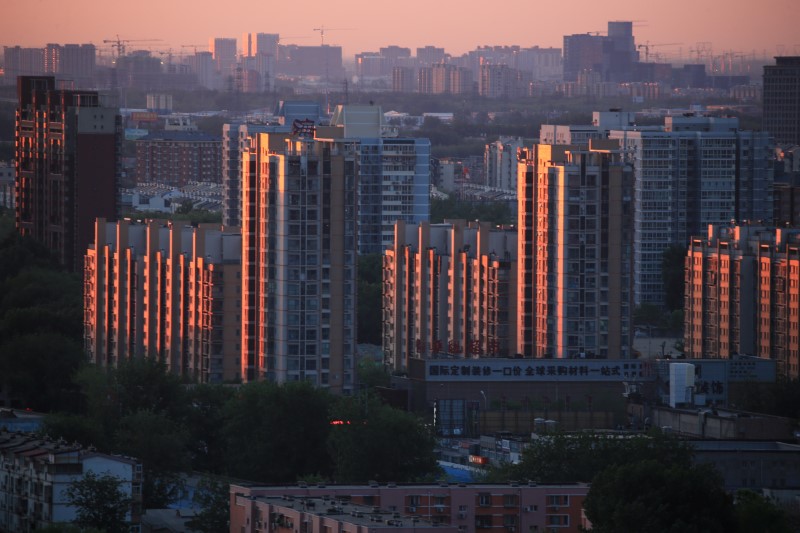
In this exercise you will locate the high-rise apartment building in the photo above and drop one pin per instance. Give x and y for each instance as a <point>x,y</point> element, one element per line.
<point>74,62</point>
<point>612,56</point>
<point>167,291</point>
<point>18,61</point>
<point>692,172</point>
<point>574,259</point>
<point>781,97</point>
<point>451,79</point>
<point>742,295</point>
<point>449,289</point>
<point>224,52</point>
<point>236,140</point>
<point>67,154</point>
<point>498,81</point>
<point>299,217</point>
<point>500,163</point>
<point>394,175</point>
<point>403,80</point>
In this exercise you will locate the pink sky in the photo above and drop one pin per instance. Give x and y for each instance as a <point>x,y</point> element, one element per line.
<point>767,27</point>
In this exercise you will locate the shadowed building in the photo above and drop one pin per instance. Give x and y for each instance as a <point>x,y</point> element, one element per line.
<point>67,155</point>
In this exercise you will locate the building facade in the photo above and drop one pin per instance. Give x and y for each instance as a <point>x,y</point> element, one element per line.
<point>448,290</point>
<point>236,138</point>
<point>574,259</point>
<point>781,98</point>
<point>299,219</point>
<point>35,474</point>
<point>394,175</point>
<point>742,295</point>
<point>178,157</point>
<point>463,507</point>
<point>66,157</point>
<point>692,172</point>
<point>170,292</point>
<point>500,163</point>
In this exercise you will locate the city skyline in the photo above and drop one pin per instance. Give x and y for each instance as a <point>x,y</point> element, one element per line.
<point>358,26</point>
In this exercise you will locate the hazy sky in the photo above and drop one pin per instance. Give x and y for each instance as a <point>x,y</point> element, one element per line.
<point>766,27</point>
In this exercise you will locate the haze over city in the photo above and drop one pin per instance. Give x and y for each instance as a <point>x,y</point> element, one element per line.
<point>357,25</point>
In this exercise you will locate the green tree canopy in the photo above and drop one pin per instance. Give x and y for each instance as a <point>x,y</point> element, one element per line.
<point>574,457</point>
<point>100,502</point>
<point>212,498</point>
<point>372,440</point>
<point>652,495</point>
<point>278,431</point>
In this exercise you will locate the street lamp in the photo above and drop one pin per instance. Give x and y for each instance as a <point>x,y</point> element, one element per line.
<point>485,401</point>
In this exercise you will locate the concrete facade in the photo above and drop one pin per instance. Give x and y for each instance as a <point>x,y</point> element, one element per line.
<point>35,474</point>
<point>163,290</point>
<point>463,507</point>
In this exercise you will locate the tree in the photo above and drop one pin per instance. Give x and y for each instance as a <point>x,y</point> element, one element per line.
<point>161,444</point>
<point>371,440</point>
<point>566,458</point>
<point>278,432</point>
<point>653,496</point>
<point>100,502</point>
<point>212,497</point>
<point>754,512</point>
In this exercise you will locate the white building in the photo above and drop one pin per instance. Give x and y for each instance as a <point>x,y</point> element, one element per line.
<point>36,473</point>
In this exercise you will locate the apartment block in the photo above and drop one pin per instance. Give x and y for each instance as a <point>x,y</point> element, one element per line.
<point>498,81</point>
<point>236,138</point>
<point>574,259</point>
<point>66,156</point>
<point>178,157</point>
<point>167,291</point>
<point>742,295</point>
<point>692,172</point>
<point>299,218</point>
<point>35,474</point>
<point>449,289</point>
<point>781,97</point>
<point>464,507</point>
<point>500,163</point>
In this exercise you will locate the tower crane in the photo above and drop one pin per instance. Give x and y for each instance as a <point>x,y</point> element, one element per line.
<point>647,47</point>
<point>120,44</point>
<point>322,29</point>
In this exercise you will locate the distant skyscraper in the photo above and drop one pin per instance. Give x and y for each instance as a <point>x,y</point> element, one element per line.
<point>178,157</point>
<point>430,55</point>
<point>19,61</point>
<point>403,80</point>
<point>781,99</point>
<point>66,166</point>
<point>574,260</point>
<point>498,81</point>
<point>612,55</point>
<point>224,53</point>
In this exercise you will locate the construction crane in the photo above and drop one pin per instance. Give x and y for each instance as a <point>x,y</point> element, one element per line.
<point>120,44</point>
<point>647,47</point>
<point>194,46</point>
<point>323,29</point>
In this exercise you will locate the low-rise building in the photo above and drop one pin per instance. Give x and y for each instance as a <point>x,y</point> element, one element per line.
<point>35,474</point>
<point>373,507</point>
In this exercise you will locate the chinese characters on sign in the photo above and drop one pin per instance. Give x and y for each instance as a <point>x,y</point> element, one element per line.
<point>514,370</point>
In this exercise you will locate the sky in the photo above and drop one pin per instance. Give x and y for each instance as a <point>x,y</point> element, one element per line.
<point>764,29</point>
